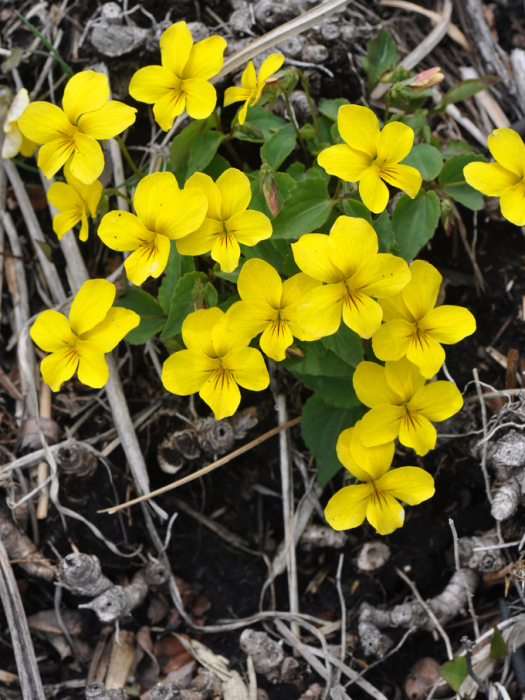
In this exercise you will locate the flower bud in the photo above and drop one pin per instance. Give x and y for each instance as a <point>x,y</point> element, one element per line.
<point>269,188</point>
<point>427,79</point>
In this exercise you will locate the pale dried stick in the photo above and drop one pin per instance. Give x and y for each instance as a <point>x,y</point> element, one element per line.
<point>342,603</point>
<point>486,101</point>
<point>43,467</point>
<point>468,592</point>
<point>484,469</point>
<point>47,67</point>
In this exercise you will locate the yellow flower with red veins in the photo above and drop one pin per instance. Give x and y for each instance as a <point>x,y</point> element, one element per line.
<point>215,363</point>
<point>163,213</point>
<point>415,328</point>
<point>72,133</point>
<point>228,221</point>
<point>252,85</point>
<point>378,498</point>
<point>401,405</point>
<point>506,177</point>
<point>353,272</point>
<point>181,82</point>
<point>371,156</point>
<point>269,306</point>
<point>75,202</point>
<point>93,328</point>
<point>14,140</point>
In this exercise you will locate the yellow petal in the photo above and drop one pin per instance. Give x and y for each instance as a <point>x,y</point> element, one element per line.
<point>54,154</point>
<point>249,78</point>
<point>296,288</point>
<point>320,315</point>
<point>352,241</point>
<point>107,334</point>
<point>12,142</point>
<point>108,121</point>
<point>66,220</point>
<point>168,107</point>
<point>373,190</point>
<point>276,337</point>
<point>92,366</point>
<point>120,230</point>
<point>405,177</point>
<point>221,393</point>
<point>269,66</point>
<point>491,179</point>
<point>206,59</point>
<point>175,47</point>
<point>91,305</point>
<point>448,324</point>
<point>197,330</point>
<point>420,294</point>
<point>150,259</point>
<point>345,451</point>
<point>186,371</point>
<point>417,432</point>
<point>507,147</point>
<point>249,227</point>
<point>394,143</point>
<point>250,317</point>
<point>384,513</point>
<point>152,83</point>
<point>383,275</point>
<point>404,378</point>
<point>63,197</point>
<point>202,240</point>
<point>394,308</point>
<point>205,184</point>
<point>344,162</point>
<point>84,229</point>
<point>359,127</point>
<point>426,353</point>
<point>226,251</point>
<point>437,401</point>
<point>27,147</point>
<point>361,313</point>
<point>381,424</point>
<point>59,367</point>
<point>512,204</point>
<point>236,94</point>
<point>235,191</point>
<point>248,368</point>
<point>225,340</point>
<point>51,332</point>
<point>201,97</point>
<point>261,282</point>
<point>86,91</point>
<point>160,206</point>
<point>371,386</point>
<point>365,463</point>
<point>312,256</point>
<point>87,162</point>
<point>43,122</point>
<point>409,484</point>
<point>347,508</point>
<point>392,340</point>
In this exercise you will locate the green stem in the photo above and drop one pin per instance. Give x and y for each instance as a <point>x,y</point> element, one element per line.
<point>297,132</point>
<point>117,193</point>
<point>337,188</point>
<point>387,106</point>
<point>128,157</point>
<point>227,142</point>
<point>304,83</point>
<point>50,46</point>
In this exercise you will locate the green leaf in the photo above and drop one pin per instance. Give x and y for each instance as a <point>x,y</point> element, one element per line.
<point>468,88</point>
<point>345,344</point>
<point>204,148</point>
<point>455,672</point>
<point>498,648</point>
<point>216,166</point>
<point>385,234</point>
<point>330,108</point>
<point>356,209</point>
<point>318,361</point>
<point>152,316</point>
<point>382,57</point>
<point>266,251</point>
<point>259,126</point>
<point>414,222</point>
<point>306,208</point>
<point>426,159</point>
<point>193,149</point>
<point>460,191</point>
<point>336,391</point>
<point>284,184</point>
<point>279,146</point>
<point>191,291</point>
<point>13,60</point>
<point>321,425</point>
<point>178,265</point>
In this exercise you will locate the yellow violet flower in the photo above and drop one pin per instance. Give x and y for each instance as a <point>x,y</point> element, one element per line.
<point>163,213</point>
<point>378,498</point>
<point>269,306</point>
<point>370,156</point>
<point>215,363</point>
<point>94,327</point>
<point>227,221</point>
<point>75,202</point>
<point>252,85</point>
<point>415,328</point>
<point>14,140</point>
<point>506,177</point>
<point>353,271</point>
<point>401,405</point>
<point>72,133</point>
<point>182,79</point>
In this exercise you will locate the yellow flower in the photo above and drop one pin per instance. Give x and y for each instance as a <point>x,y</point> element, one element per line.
<point>14,140</point>
<point>506,177</point>
<point>164,213</point>
<point>252,85</point>
<point>378,498</point>
<point>401,405</point>
<point>269,306</point>
<point>72,134</point>
<point>227,222</point>
<point>215,363</point>
<point>75,202</point>
<point>348,263</point>
<point>370,155</point>
<point>93,328</point>
<point>415,328</point>
<point>182,79</point>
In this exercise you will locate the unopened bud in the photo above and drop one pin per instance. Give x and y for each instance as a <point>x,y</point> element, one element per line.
<point>269,188</point>
<point>427,79</point>
<point>447,216</point>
